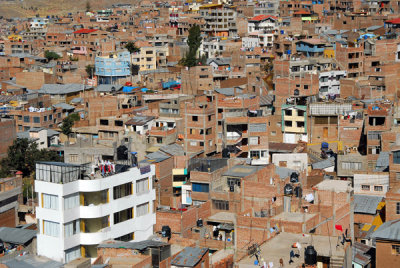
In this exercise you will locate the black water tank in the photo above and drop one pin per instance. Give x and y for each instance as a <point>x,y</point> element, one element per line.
<point>166,231</point>
<point>225,153</point>
<point>294,177</point>
<point>122,153</point>
<point>288,189</point>
<point>310,255</point>
<point>199,223</point>
<point>298,192</point>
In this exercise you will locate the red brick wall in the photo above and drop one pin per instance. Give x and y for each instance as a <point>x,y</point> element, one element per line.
<point>7,218</point>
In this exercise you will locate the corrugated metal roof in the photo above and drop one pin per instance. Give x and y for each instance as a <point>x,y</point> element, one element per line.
<point>133,245</point>
<point>173,149</point>
<point>31,261</point>
<point>16,236</point>
<point>366,204</point>
<point>324,164</point>
<point>189,257</point>
<point>390,230</point>
<point>283,172</point>
<point>382,163</point>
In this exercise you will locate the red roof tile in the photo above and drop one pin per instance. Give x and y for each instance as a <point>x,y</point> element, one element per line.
<point>262,17</point>
<point>302,12</point>
<point>394,21</point>
<point>85,31</point>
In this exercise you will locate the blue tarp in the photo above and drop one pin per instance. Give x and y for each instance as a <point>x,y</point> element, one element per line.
<point>144,89</point>
<point>127,89</point>
<point>170,84</point>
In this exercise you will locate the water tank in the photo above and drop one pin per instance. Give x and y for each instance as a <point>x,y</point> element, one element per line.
<point>298,192</point>
<point>310,256</point>
<point>122,153</point>
<point>166,231</point>
<point>294,177</point>
<point>288,189</point>
<point>199,223</point>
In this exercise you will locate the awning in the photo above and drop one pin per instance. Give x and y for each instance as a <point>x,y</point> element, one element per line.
<point>127,89</point>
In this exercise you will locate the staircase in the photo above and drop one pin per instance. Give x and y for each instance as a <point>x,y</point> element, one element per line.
<point>314,156</point>
<point>337,262</point>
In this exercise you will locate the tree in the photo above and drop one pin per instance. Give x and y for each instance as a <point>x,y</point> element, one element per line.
<point>22,155</point>
<point>50,55</point>
<point>194,42</point>
<point>132,48</point>
<point>68,122</point>
<point>89,70</point>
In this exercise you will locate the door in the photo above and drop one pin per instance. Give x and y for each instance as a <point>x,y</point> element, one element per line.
<point>325,133</point>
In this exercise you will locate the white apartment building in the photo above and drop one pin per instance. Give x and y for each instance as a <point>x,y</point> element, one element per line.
<point>329,83</point>
<point>79,209</point>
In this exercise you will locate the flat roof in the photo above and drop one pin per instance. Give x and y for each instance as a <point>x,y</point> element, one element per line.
<point>294,216</point>
<point>337,186</point>
<point>281,245</point>
<point>222,217</point>
<point>242,171</point>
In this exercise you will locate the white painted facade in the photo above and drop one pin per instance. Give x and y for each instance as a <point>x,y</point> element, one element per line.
<point>296,161</point>
<point>329,82</point>
<point>55,247</point>
<point>371,183</point>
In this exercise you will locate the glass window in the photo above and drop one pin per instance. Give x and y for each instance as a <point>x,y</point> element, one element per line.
<point>26,119</point>
<point>200,187</point>
<point>142,185</point>
<point>71,201</point>
<point>396,157</point>
<point>51,228</point>
<point>50,201</point>
<point>142,209</point>
<point>72,228</point>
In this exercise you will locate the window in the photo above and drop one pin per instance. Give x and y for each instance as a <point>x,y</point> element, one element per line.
<point>395,249</point>
<point>193,143</point>
<point>72,228</point>
<point>202,143</point>
<point>396,157</point>
<point>209,118</point>
<point>126,238</point>
<point>300,113</point>
<point>374,135</point>
<point>220,204</point>
<point>71,201</point>
<point>26,119</point>
<point>36,119</point>
<point>122,190</point>
<point>300,124</point>
<point>142,185</point>
<point>51,228</point>
<point>142,209</point>
<point>73,158</point>
<point>72,254</point>
<point>288,123</point>
<point>397,175</point>
<point>50,201</point>
<point>378,188</point>
<point>365,187</point>
<point>288,112</point>
<point>233,182</point>
<point>253,140</point>
<point>200,187</point>
<point>123,215</point>
<point>351,165</point>
<point>195,118</point>
<point>398,208</point>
